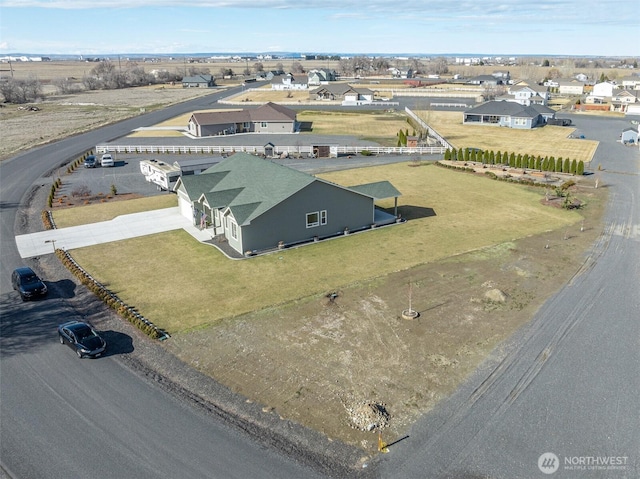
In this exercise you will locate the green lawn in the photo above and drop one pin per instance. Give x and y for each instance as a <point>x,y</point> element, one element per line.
<point>180,284</point>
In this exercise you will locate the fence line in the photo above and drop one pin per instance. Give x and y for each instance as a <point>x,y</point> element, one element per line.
<point>260,150</point>
<point>430,130</point>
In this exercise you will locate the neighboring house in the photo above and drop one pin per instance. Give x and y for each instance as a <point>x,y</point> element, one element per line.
<point>289,82</point>
<point>341,92</point>
<point>528,95</point>
<point>503,76</point>
<point>570,87</point>
<point>199,81</point>
<point>582,77</point>
<point>509,114</point>
<point>268,118</point>
<point>257,205</point>
<point>631,82</point>
<point>273,73</point>
<point>400,73</point>
<point>603,90</point>
<point>621,99</point>
<point>320,76</point>
<point>485,80</point>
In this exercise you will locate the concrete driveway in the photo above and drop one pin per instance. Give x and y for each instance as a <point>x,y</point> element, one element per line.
<point>120,228</point>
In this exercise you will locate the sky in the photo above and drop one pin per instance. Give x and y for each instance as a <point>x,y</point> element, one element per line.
<point>429,27</point>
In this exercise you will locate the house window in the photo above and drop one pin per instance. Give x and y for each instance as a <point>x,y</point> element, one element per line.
<point>234,230</point>
<point>316,218</point>
<point>263,124</point>
<point>519,121</point>
<point>246,125</point>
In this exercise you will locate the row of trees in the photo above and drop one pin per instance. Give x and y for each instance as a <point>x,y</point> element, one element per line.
<point>365,66</point>
<point>519,161</point>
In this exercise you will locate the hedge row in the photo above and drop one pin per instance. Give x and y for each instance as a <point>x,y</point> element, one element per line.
<point>493,176</point>
<point>110,298</point>
<point>513,160</point>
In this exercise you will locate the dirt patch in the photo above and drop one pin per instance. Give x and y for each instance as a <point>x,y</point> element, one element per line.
<point>69,201</point>
<point>347,364</point>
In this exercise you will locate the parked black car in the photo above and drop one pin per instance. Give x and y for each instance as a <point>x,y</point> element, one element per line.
<point>27,283</point>
<point>90,162</point>
<point>82,338</point>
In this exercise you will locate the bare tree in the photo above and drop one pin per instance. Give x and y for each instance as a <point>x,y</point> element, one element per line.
<point>417,66</point>
<point>380,64</point>
<point>90,82</point>
<point>64,85</point>
<point>196,70</point>
<point>21,91</point>
<point>258,67</point>
<point>296,67</point>
<point>440,66</point>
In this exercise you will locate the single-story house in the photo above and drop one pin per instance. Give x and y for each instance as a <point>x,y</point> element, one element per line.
<point>341,92</point>
<point>487,80</point>
<point>257,205</point>
<point>267,118</point>
<point>199,81</point>
<point>509,114</point>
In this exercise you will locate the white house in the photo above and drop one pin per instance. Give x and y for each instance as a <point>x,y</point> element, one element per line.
<point>603,90</point>
<point>528,95</point>
<point>289,82</point>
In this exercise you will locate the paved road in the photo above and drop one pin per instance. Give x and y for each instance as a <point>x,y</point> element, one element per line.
<point>61,417</point>
<point>568,383</point>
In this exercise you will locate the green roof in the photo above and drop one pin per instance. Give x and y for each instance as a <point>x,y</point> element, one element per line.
<point>248,185</point>
<point>378,190</point>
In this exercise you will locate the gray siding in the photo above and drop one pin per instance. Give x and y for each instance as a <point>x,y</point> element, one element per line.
<point>287,221</point>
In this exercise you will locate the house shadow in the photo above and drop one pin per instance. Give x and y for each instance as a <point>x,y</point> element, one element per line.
<point>409,212</point>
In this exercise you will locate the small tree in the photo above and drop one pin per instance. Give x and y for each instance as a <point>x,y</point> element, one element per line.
<point>580,169</point>
<point>559,165</point>
<point>566,166</point>
<point>574,167</point>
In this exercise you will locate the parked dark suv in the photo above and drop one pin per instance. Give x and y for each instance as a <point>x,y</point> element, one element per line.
<point>27,283</point>
<point>90,162</point>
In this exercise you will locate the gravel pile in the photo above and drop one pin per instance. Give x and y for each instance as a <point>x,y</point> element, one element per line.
<point>368,416</point>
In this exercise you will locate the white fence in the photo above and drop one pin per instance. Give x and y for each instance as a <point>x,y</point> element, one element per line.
<point>292,150</point>
<point>430,130</point>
